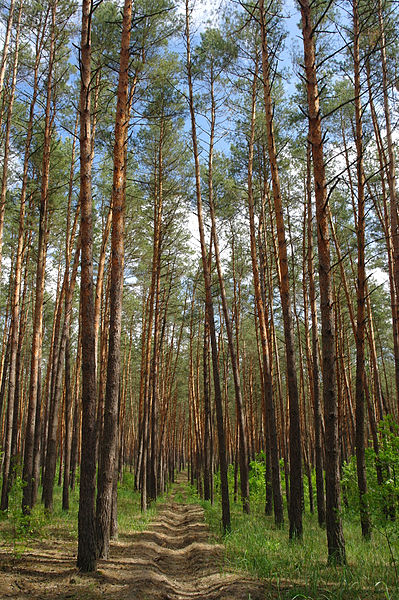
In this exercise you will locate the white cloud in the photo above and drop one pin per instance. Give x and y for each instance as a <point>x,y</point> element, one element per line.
<point>380,277</point>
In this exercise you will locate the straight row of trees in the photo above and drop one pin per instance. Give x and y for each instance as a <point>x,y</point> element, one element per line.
<point>130,339</point>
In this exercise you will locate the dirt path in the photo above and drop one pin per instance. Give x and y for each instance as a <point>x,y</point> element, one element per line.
<point>171,560</point>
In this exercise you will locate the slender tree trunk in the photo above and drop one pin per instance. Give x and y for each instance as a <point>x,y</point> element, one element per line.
<point>391,178</point>
<point>106,476</point>
<point>100,284</point>
<point>68,395</point>
<point>4,363</point>
<point>361,287</point>
<point>76,413</point>
<point>317,412</point>
<point>37,439</point>
<point>267,374</point>
<point>335,538</point>
<point>207,417</point>
<point>385,221</point>
<point>68,429</point>
<point>15,308</point>
<point>86,560</point>
<point>6,155</point>
<point>146,390</point>
<point>156,283</point>
<point>295,508</point>
<point>6,45</point>
<point>242,445</point>
<point>51,454</point>
<point>19,382</point>
<point>209,302</point>
<point>34,397</point>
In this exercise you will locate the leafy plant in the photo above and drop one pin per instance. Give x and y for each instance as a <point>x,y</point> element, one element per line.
<point>383,489</point>
<point>21,528</point>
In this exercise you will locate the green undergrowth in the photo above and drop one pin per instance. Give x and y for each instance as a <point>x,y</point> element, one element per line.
<point>293,570</point>
<point>299,569</point>
<point>19,533</point>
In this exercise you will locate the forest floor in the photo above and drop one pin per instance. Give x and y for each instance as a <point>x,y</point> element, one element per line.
<point>173,559</point>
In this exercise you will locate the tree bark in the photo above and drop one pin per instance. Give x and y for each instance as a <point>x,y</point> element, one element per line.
<point>7,464</point>
<point>243,444</point>
<point>295,504</point>
<point>208,299</point>
<point>315,382</point>
<point>267,373</point>
<point>335,538</point>
<point>106,476</point>
<point>6,154</point>
<point>34,397</point>
<point>86,559</point>
<point>361,286</point>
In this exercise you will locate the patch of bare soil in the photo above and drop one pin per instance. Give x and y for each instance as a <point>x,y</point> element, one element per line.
<point>172,560</point>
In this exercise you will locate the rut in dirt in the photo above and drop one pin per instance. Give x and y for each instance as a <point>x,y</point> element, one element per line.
<point>174,560</point>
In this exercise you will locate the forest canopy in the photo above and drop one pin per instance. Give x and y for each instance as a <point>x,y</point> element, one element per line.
<point>199,256</point>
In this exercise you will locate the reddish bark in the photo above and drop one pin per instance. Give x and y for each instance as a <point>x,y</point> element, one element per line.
<point>86,560</point>
<point>335,539</point>
<point>107,476</point>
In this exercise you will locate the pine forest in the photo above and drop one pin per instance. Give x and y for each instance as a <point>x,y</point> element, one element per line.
<point>199,299</point>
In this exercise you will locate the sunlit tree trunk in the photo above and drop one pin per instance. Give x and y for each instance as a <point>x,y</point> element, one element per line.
<point>86,559</point>
<point>106,477</point>
<point>267,374</point>
<point>335,538</point>
<point>243,445</point>
<point>6,44</point>
<point>361,285</point>
<point>315,381</point>
<point>6,154</point>
<point>209,302</point>
<point>295,508</point>
<point>34,396</point>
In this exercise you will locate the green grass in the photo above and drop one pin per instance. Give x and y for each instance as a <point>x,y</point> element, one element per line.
<point>294,570</point>
<point>299,569</point>
<point>18,532</point>
<point>130,517</point>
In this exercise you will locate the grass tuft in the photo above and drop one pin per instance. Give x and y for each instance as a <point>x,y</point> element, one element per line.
<point>299,569</point>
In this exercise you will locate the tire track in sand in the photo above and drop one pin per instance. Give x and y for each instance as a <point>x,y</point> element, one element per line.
<point>173,560</point>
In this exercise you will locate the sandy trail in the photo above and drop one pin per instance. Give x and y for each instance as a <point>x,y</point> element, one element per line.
<point>171,560</point>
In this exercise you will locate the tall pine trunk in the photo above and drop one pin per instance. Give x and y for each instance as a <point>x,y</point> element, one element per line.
<point>6,152</point>
<point>361,286</point>
<point>86,559</point>
<point>269,407</point>
<point>295,504</point>
<point>242,439</point>
<point>208,299</point>
<point>34,396</point>
<point>109,446</point>
<point>335,538</point>
<point>315,380</point>
<point>6,44</point>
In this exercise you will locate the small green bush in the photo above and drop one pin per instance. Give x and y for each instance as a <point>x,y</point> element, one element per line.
<point>382,497</point>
